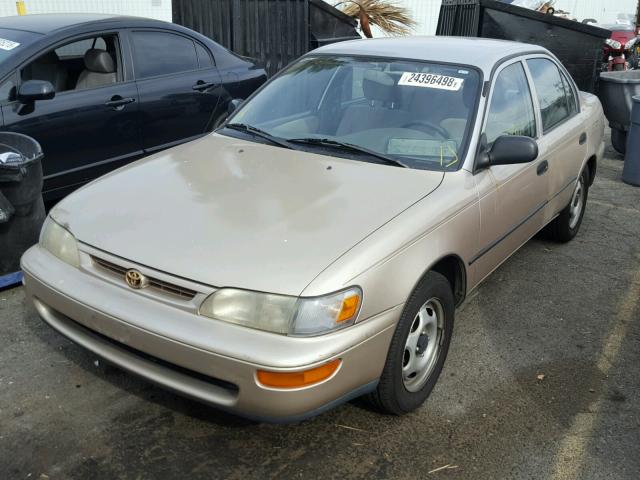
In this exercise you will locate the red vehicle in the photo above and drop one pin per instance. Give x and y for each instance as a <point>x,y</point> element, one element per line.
<point>621,50</point>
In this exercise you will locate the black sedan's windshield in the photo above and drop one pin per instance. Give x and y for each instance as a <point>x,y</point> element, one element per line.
<point>12,41</point>
<point>412,114</point>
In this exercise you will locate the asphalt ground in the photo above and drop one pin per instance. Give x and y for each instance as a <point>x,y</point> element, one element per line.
<point>542,382</point>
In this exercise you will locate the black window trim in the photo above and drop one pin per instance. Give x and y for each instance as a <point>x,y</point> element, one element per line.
<point>16,79</point>
<point>561,70</point>
<point>132,31</point>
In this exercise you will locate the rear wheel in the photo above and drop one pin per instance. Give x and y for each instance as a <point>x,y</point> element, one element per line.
<point>418,349</point>
<point>566,225</point>
<point>619,140</point>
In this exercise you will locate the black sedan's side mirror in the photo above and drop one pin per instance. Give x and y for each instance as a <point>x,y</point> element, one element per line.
<point>508,150</point>
<point>33,90</point>
<point>234,105</point>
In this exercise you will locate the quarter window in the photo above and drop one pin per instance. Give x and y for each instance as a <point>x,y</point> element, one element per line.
<point>552,96</point>
<point>204,57</point>
<point>159,53</point>
<point>511,111</point>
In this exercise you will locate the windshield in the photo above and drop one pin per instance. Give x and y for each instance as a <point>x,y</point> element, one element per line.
<point>12,41</point>
<point>416,114</point>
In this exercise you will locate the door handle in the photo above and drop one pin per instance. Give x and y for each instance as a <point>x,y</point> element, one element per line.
<point>583,138</point>
<point>543,166</point>
<point>118,103</point>
<point>201,85</point>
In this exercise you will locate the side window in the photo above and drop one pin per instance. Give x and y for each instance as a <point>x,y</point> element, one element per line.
<point>87,63</point>
<point>511,111</point>
<point>204,57</point>
<point>572,101</point>
<point>160,53</point>
<point>77,49</point>
<point>551,92</point>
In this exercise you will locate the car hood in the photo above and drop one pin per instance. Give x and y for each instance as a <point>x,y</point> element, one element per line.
<point>229,212</point>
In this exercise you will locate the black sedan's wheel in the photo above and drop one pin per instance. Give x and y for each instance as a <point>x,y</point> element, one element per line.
<point>418,349</point>
<point>566,225</point>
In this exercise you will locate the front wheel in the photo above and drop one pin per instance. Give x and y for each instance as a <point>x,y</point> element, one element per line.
<point>418,348</point>
<point>566,225</point>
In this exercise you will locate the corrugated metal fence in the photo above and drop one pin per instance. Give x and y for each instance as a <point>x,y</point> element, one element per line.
<point>273,32</point>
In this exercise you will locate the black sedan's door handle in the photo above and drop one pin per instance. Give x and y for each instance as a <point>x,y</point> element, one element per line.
<point>543,166</point>
<point>118,103</point>
<point>583,138</point>
<point>201,85</point>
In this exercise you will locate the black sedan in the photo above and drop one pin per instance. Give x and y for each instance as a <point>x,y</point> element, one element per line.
<point>98,91</point>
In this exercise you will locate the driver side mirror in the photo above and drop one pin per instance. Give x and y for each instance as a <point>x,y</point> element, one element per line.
<point>234,105</point>
<point>507,150</point>
<point>33,90</point>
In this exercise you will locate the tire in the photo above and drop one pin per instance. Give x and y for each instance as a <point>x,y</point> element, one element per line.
<point>619,140</point>
<point>398,392</point>
<point>566,225</point>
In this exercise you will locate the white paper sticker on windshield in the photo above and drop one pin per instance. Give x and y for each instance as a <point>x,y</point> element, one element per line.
<point>8,44</point>
<point>431,80</point>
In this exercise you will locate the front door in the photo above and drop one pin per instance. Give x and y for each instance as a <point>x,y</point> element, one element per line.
<point>512,197</point>
<point>564,144</point>
<point>91,126</point>
<point>178,82</point>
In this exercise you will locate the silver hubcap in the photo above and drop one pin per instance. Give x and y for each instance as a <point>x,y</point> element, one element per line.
<point>422,349</point>
<point>577,204</point>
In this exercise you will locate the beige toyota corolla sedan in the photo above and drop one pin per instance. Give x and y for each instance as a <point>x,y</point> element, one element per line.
<point>315,247</point>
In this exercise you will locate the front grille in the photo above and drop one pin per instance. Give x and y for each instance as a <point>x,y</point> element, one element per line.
<point>160,285</point>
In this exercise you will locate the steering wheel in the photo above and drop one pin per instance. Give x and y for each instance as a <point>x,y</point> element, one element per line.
<point>424,123</point>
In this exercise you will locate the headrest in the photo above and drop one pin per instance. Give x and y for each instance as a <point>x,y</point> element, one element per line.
<point>379,86</point>
<point>99,61</point>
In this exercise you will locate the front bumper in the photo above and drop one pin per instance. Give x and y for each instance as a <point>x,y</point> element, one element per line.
<point>210,361</point>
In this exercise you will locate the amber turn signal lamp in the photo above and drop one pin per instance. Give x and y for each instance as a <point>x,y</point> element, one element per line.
<point>298,379</point>
<point>349,308</point>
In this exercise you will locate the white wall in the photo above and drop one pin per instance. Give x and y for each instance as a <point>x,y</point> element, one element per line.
<point>425,12</point>
<point>160,9</point>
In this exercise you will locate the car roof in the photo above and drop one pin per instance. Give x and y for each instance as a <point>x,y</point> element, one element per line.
<point>479,52</point>
<point>47,23</point>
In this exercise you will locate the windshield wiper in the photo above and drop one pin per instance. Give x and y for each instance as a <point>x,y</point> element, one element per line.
<point>327,142</point>
<point>243,127</point>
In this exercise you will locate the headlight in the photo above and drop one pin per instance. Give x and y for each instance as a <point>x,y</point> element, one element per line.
<point>283,314</point>
<point>59,241</point>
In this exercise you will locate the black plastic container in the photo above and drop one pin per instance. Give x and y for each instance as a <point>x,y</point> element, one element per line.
<point>616,93</point>
<point>631,171</point>
<point>577,46</point>
<point>271,32</point>
<point>21,207</point>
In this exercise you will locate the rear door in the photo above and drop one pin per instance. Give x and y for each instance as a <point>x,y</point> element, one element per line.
<point>87,129</point>
<point>563,144</point>
<point>178,86</point>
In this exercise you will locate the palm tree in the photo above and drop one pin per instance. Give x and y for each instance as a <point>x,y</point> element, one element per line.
<point>386,14</point>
